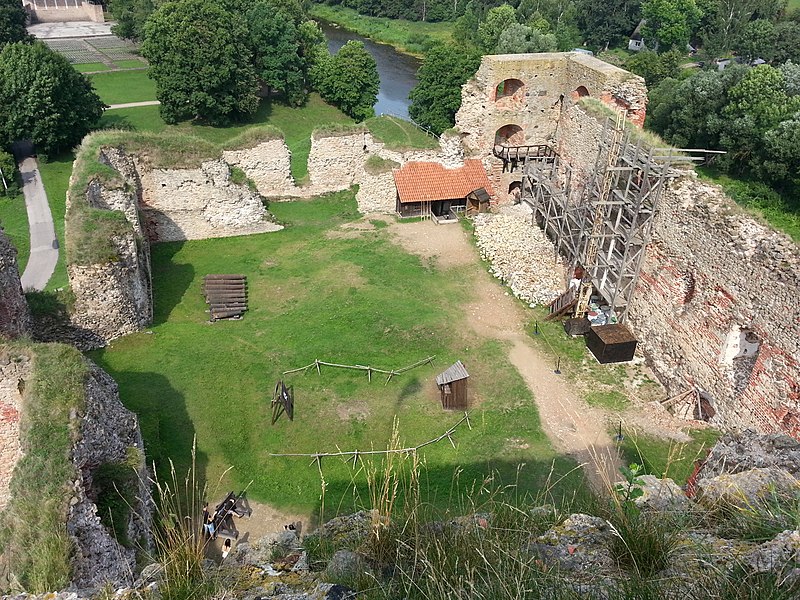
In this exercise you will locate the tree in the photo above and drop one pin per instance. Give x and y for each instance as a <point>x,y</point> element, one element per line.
<point>12,22</point>
<point>787,42</point>
<point>607,22</point>
<point>275,45</point>
<point>465,29</point>
<point>757,40</point>
<point>791,78</point>
<point>497,19</point>
<point>349,80</point>
<point>8,169</point>
<point>436,98</point>
<point>200,66</point>
<point>670,22</point>
<point>755,105</point>
<point>519,39</point>
<point>43,99</point>
<point>782,151</point>
<point>655,67</point>
<point>131,16</point>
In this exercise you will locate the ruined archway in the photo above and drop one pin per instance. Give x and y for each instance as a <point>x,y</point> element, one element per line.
<point>509,135</point>
<point>579,92</point>
<point>509,88</point>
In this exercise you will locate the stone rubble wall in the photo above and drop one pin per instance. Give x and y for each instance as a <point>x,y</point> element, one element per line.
<point>710,272</point>
<point>113,298</point>
<point>15,370</point>
<point>196,204</point>
<point>335,163</point>
<point>14,314</point>
<point>109,433</point>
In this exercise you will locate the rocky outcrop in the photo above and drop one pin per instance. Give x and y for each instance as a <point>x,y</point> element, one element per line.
<point>14,315</point>
<point>109,434</point>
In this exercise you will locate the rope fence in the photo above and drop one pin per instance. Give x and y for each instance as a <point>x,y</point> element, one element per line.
<point>355,454</point>
<point>370,370</point>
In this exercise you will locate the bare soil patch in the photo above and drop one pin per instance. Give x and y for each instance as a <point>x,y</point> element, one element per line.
<point>445,244</point>
<point>353,410</point>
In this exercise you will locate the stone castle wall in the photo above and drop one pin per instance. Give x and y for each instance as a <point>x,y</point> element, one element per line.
<point>15,370</point>
<point>550,84</point>
<point>14,315</point>
<point>716,308</point>
<point>109,434</point>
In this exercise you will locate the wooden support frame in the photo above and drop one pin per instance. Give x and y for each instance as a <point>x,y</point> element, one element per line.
<point>282,401</point>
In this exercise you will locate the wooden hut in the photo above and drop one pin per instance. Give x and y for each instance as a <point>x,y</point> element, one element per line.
<point>478,202</point>
<point>429,190</point>
<point>611,343</point>
<point>453,386</point>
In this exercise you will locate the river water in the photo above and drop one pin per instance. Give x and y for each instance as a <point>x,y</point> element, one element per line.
<point>398,72</point>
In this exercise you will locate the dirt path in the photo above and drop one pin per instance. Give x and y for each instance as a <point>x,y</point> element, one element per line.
<point>573,427</point>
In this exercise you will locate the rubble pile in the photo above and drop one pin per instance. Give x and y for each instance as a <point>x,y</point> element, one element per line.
<point>521,255</point>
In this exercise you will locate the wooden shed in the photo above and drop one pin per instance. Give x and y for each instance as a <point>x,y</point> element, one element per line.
<point>478,202</point>
<point>430,190</point>
<point>453,386</point>
<point>611,343</point>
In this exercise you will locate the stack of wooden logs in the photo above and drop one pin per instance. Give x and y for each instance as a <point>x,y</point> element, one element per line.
<point>226,296</point>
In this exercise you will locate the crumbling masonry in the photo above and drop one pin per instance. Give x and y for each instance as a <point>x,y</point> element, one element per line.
<point>714,298</point>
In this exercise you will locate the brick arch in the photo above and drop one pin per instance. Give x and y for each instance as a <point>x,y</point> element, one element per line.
<point>509,135</point>
<point>579,92</point>
<point>509,88</point>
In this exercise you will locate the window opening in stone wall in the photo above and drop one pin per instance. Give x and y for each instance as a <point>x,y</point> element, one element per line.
<point>508,88</point>
<point>509,135</point>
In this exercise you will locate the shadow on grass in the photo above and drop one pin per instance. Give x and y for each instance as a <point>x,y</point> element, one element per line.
<point>167,429</point>
<point>171,279</point>
<point>467,488</point>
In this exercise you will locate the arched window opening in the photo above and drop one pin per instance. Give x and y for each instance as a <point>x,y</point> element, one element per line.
<point>508,88</point>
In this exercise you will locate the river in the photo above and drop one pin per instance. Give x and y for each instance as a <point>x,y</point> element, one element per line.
<point>398,72</point>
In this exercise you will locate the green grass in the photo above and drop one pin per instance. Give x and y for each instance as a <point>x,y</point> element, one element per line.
<point>413,37</point>
<point>55,177</point>
<point>14,221</point>
<point>355,301</point>
<point>119,87</point>
<point>33,536</point>
<point>611,399</point>
<point>88,67</point>
<point>140,118</point>
<point>667,458</point>
<point>781,212</point>
<point>399,134</point>
<point>130,64</point>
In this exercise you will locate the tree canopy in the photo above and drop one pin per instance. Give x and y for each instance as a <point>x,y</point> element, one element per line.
<point>131,16</point>
<point>201,67</point>
<point>437,96</point>
<point>275,44</point>
<point>670,22</point>
<point>43,99</point>
<point>12,22</point>
<point>349,79</point>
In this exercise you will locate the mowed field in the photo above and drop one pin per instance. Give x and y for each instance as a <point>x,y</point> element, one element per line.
<point>321,289</point>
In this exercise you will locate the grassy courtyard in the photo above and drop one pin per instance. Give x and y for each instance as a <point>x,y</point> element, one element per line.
<point>317,291</point>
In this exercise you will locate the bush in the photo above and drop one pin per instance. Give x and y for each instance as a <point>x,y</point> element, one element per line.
<point>8,169</point>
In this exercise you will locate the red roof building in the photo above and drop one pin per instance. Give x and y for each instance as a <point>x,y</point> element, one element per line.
<point>428,188</point>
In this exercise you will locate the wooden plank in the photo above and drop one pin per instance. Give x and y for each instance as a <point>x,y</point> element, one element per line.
<point>223,276</point>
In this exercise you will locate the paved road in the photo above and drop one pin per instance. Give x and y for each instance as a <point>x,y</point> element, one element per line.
<point>134,104</point>
<point>44,244</point>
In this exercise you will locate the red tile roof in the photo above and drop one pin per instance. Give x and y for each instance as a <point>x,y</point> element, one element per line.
<point>427,181</point>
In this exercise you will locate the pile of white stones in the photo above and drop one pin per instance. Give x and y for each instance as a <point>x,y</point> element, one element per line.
<point>520,255</point>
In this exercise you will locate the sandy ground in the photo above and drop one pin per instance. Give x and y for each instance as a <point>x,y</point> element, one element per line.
<point>573,427</point>
<point>265,521</point>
